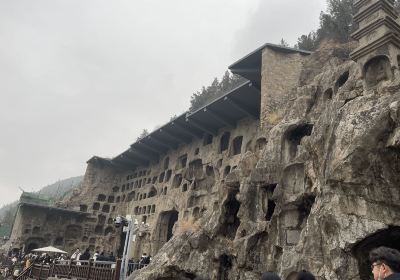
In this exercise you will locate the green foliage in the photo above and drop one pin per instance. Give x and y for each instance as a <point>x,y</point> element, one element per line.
<point>217,88</point>
<point>307,42</point>
<point>283,43</point>
<point>143,134</point>
<point>55,191</point>
<point>336,24</point>
<point>5,230</point>
<point>8,218</point>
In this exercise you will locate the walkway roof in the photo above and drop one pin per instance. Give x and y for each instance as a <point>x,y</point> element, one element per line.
<point>226,111</point>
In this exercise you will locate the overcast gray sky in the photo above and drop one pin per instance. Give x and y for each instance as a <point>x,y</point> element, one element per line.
<point>83,77</point>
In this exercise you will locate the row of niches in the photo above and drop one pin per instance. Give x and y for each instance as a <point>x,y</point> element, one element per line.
<point>138,174</point>
<point>149,209</point>
<point>195,213</point>
<point>232,148</point>
<point>105,208</point>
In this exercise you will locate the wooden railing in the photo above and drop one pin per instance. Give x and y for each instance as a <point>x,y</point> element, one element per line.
<point>81,270</point>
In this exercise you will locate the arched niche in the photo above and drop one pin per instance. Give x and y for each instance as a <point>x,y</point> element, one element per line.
<point>388,237</point>
<point>376,70</point>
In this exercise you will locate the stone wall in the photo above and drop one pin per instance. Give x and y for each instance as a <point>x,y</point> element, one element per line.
<point>37,226</point>
<point>174,192</point>
<point>280,73</point>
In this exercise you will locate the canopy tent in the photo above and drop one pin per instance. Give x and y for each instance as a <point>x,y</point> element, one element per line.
<point>50,249</point>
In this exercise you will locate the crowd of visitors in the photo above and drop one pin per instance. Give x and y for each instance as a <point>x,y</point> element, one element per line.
<point>12,264</point>
<point>385,264</point>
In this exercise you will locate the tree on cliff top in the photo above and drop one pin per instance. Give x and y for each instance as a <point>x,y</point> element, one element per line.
<point>336,24</point>
<point>217,88</point>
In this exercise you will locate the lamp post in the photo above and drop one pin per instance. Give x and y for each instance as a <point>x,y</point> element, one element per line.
<point>131,228</point>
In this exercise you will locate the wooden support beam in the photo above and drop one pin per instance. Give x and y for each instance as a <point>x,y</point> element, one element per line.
<point>222,119</point>
<point>176,138</point>
<point>187,130</point>
<point>121,163</point>
<point>159,143</point>
<point>201,127</point>
<point>241,107</point>
<point>134,161</point>
<point>144,156</point>
<point>157,150</point>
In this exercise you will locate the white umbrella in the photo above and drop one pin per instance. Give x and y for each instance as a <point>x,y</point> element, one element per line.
<point>50,249</point>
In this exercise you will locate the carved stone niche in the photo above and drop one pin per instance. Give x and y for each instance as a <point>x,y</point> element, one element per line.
<point>376,70</point>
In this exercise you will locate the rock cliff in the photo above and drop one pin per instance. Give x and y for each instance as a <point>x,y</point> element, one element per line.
<point>323,192</point>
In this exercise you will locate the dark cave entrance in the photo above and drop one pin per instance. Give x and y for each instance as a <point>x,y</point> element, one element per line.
<point>231,221</point>
<point>225,265</point>
<point>293,139</point>
<point>31,247</point>
<point>166,224</point>
<point>388,238</point>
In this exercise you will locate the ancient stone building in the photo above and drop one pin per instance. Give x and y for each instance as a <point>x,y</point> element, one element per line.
<point>38,223</point>
<point>295,169</point>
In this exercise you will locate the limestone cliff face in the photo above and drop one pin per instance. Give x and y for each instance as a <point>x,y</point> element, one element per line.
<point>324,191</point>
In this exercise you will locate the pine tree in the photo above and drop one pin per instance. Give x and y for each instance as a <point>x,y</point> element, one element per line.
<point>307,42</point>
<point>143,134</point>
<point>215,90</point>
<point>283,43</point>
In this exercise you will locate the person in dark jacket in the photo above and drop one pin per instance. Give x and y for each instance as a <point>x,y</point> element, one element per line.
<point>270,276</point>
<point>85,256</point>
<point>304,275</point>
<point>385,263</point>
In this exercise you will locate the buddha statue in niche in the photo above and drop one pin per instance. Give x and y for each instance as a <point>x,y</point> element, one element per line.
<point>377,70</point>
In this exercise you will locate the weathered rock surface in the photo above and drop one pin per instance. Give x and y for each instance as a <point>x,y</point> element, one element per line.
<point>326,180</point>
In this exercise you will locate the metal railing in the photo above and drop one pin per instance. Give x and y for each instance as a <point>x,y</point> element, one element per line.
<point>81,270</point>
<point>132,267</point>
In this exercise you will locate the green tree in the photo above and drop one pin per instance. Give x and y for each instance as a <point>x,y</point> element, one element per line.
<point>307,42</point>
<point>143,134</point>
<point>217,88</point>
<point>283,43</point>
<point>336,24</point>
<point>9,217</point>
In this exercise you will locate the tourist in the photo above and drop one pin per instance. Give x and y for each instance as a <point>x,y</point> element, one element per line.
<point>28,262</point>
<point>101,257</point>
<point>270,276</point>
<point>75,256</point>
<point>385,263</point>
<point>305,275</point>
<point>85,256</point>
<point>111,258</point>
<point>144,260</point>
<point>95,256</point>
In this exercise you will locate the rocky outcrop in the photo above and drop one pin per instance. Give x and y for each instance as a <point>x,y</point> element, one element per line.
<point>323,191</point>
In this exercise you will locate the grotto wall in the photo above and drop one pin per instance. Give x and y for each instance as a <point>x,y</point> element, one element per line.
<point>323,192</point>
